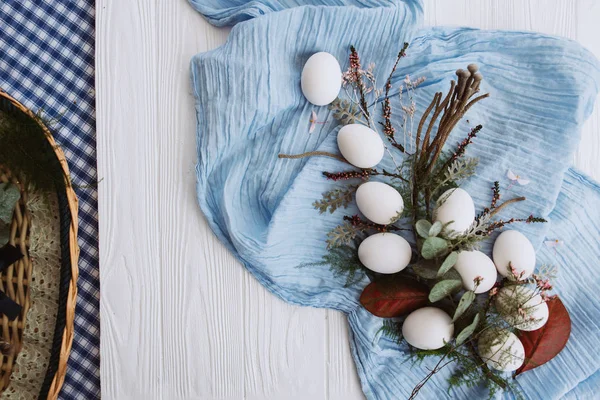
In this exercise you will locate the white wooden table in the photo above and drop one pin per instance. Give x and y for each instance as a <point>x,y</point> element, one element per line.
<point>181,319</point>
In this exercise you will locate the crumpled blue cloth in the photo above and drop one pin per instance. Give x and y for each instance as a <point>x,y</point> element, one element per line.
<point>250,108</point>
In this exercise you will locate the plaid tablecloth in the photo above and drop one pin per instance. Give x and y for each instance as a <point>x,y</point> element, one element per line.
<point>47,63</point>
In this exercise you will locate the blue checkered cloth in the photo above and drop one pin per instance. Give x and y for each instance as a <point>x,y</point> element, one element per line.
<point>47,63</point>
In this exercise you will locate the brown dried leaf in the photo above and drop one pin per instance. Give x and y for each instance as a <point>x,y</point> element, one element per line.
<point>390,298</point>
<point>545,343</point>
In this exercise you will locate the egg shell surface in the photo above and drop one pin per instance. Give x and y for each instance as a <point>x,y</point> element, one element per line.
<point>471,264</point>
<point>514,247</point>
<point>386,253</point>
<point>379,202</point>
<point>321,79</point>
<point>428,328</point>
<point>510,298</point>
<point>456,206</point>
<point>360,145</point>
<point>501,350</point>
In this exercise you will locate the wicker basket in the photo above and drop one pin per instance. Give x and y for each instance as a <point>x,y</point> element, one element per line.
<point>15,279</point>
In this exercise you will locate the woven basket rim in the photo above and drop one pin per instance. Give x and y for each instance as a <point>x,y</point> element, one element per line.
<point>73,205</point>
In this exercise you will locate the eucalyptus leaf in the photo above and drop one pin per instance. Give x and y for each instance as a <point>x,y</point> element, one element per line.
<point>9,196</point>
<point>423,226</point>
<point>465,302</point>
<point>452,275</point>
<point>444,288</point>
<point>468,331</point>
<point>435,229</point>
<point>425,271</point>
<point>428,269</point>
<point>434,247</point>
<point>449,262</point>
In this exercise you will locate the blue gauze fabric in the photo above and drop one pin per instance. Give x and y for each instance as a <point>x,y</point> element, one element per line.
<point>250,108</point>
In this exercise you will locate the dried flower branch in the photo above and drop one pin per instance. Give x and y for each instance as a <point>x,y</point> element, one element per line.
<point>345,175</point>
<point>462,146</point>
<point>388,128</point>
<point>355,69</point>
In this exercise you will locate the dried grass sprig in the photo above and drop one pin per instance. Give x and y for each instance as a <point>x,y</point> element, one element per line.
<point>355,68</point>
<point>388,127</point>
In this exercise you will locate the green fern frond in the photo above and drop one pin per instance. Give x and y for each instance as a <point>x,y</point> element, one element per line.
<point>343,261</point>
<point>392,330</point>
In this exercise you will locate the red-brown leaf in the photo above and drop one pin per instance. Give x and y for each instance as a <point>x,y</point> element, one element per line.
<point>545,343</point>
<point>393,298</point>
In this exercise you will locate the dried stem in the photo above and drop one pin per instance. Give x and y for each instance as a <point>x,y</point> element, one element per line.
<point>439,109</point>
<point>314,153</point>
<point>507,202</point>
<point>454,106</point>
<point>424,118</point>
<point>355,67</point>
<point>388,128</point>
<point>363,225</point>
<point>390,174</point>
<point>484,368</point>
<point>438,367</point>
<point>460,93</point>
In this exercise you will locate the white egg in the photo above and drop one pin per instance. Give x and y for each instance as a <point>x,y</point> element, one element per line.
<point>456,206</point>
<point>379,202</point>
<point>386,253</point>
<point>534,310</point>
<point>471,264</point>
<point>428,328</point>
<point>321,79</point>
<point>514,248</point>
<point>360,145</point>
<point>501,350</point>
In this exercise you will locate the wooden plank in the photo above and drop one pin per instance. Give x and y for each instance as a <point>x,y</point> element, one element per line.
<point>180,317</point>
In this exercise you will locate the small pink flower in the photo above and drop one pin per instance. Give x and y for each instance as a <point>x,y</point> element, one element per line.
<point>514,178</point>
<point>494,291</point>
<point>313,122</point>
<point>554,244</point>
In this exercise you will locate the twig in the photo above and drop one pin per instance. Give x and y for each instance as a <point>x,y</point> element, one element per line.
<point>507,202</point>
<point>484,367</point>
<point>363,225</point>
<point>460,93</point>
<point>388,128</point>
<point>355,67</point>
<point>439,366</point>
<point>439,108</point>
<point>314,153</point>
<point>424,118</point>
